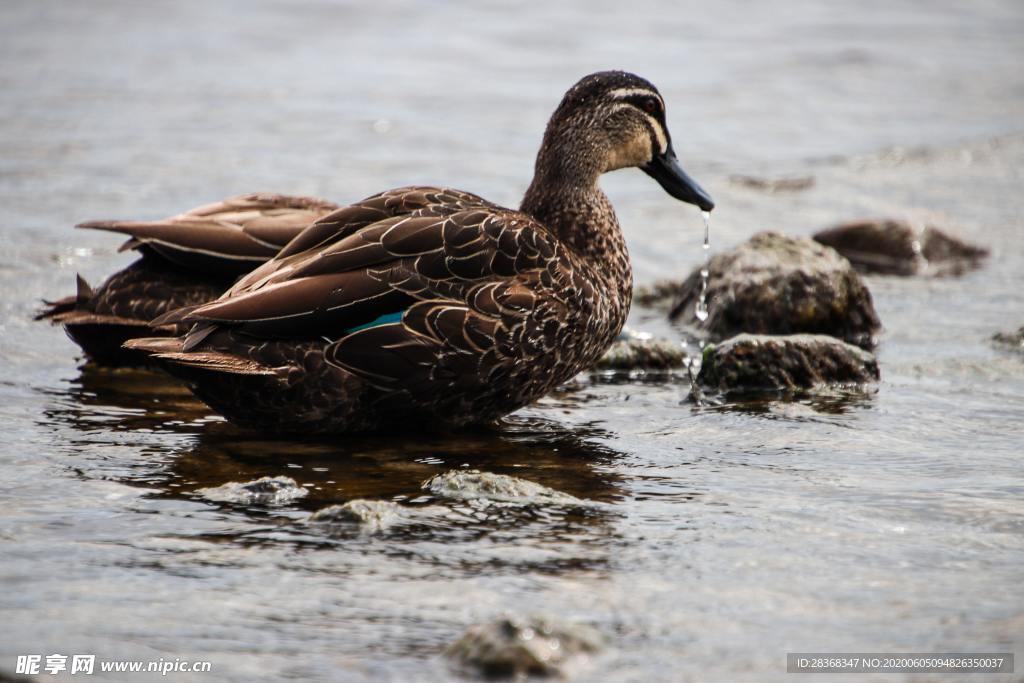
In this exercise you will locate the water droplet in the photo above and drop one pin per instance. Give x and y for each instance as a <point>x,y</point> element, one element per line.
<point>701,309</point>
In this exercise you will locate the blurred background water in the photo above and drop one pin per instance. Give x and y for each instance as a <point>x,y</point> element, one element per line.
<point>724,537</point>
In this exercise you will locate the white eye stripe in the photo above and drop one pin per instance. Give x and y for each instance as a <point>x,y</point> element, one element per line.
<point>655,124</point>
<point>623,93</point>
<point>659,133</point>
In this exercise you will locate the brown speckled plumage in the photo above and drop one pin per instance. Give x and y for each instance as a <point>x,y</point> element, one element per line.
<point>187,260</point>
<point>491,307</point>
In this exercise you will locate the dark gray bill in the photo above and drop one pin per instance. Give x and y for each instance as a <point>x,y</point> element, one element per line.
<point>670,175</point>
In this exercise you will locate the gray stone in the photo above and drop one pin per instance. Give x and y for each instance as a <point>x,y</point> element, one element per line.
<point>513,647</point>
<point>487,486</point>
<point>658,294</point>
<point>773,185</point>
<point>774,284</point>
<point>1012,340</point>
<point>363,516</point>
<point>643,354</point>
<point>751,363</point>
<point>895,247</point>
<point>262,491</point>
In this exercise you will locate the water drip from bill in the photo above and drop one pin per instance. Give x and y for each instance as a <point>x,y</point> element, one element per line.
<point>701,313</point>
<point>701,309</point>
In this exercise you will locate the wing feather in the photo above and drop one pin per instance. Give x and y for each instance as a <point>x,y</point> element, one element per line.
<point>463,271</point>
<point>229,236</point>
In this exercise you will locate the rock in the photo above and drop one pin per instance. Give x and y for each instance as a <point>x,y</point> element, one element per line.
<point>773,185</point>
<point>895,247</point>
<point>939,248</point>
<point>659,293</point>
<point>1013,340</point>
<point>514,647</point>
<point>774,284</point>
<point>362,516</point>
<point>262,491</point>
<point>642,354</point>
<point>882,246</point>
<point>751,363</point>
<point>477,485</point>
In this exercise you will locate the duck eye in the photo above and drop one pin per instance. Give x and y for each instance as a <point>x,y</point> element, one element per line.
<point>650,105</point>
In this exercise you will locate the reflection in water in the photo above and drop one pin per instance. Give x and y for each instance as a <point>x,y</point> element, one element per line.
<point>126,399</point>
<point>795,405</point>
<point>207,452</point>
<point>365,466</point>
<point>394,467</point>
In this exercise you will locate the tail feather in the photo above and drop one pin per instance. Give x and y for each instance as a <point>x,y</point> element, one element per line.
<point>216,362</point>
<point>175,316</point>
<point>84,292</point>
<point>130,244</point>
<point>80,317</point>
<point>117,226</point>
<point>198,334</point>
<point>168,350</point>
<point>58,310</point>
<point>53,309</point>
<point>154,345</point>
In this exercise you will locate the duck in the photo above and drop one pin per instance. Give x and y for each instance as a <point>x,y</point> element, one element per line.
<point>184,260</point>
<point>432,308</point>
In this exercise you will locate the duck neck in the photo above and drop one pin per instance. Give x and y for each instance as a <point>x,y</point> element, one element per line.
<point>564,197</point>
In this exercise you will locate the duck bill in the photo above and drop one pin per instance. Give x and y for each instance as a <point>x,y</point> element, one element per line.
<point>670,175</point>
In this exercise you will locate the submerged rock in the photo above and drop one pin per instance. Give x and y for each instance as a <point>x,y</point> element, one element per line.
<point>751,363</point>
<point>1013,340</point>
<point>262,491</point>
<point>895,247</point>
<point>658,294</point>
<point>477,485</point>
<point>773,185</point>
<point>774,284</point>
<point>642,354</point>
<point>515,647</point>
<point>363,516</point>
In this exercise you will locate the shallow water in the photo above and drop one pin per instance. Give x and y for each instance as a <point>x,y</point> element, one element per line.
<point>721,538</point>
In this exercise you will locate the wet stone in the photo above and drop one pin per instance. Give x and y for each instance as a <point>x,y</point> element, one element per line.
<point>512,647</point>
<point>262,491</point>
<point>774,284</point>
<point>751,363</point>
<point>1011,340</point>
<point>477,485</point>
<point>642,354</point>
<point>659,294</point>
<point>362,516</point>
<point>773,185</point>
<point>895,247</point>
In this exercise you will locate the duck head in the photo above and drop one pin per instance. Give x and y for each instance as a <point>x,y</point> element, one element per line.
<point>611,120</point>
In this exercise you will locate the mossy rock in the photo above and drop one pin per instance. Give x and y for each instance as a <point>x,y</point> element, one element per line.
<point>775,284</point>
<point>751,363</point>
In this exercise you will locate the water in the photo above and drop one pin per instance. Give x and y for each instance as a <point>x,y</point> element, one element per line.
<point>718,538</point>
<point>701,309</point>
